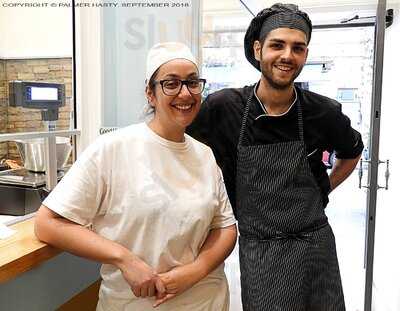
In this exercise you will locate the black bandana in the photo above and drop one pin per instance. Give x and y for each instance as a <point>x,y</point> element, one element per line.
<point>277,16</point>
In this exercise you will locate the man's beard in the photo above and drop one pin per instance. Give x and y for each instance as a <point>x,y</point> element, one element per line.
<point>268,75</point>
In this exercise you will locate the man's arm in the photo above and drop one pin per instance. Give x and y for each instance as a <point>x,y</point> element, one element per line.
<point>346,142</point>
<point>341,170</point>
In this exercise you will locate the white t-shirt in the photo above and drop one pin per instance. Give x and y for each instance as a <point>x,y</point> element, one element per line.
<point>155,197</point>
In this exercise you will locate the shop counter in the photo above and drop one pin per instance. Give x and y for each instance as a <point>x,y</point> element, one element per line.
<point>37,276</point>
<point>22,251</point>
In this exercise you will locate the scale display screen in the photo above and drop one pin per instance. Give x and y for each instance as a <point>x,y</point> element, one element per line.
<point>36,95</point>
<point>42,93</point>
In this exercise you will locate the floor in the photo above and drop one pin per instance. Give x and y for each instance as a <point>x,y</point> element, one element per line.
<point>346,213</point>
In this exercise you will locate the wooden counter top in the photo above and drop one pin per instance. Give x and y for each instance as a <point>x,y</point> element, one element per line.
<point>22,251</point>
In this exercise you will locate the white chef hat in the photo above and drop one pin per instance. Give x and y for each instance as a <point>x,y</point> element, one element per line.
<point>162,53</point>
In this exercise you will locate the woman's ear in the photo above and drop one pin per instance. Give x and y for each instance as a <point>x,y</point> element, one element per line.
<point>149,96</point>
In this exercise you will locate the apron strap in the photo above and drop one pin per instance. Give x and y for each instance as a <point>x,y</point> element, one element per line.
<point>305,235</point>
<point>244,119</point>
<point>300,118</point>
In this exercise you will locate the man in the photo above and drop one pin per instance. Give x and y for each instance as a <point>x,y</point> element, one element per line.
<point>268,140</point>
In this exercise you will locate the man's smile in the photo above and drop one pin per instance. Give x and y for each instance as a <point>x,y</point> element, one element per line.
<point>284,68</point>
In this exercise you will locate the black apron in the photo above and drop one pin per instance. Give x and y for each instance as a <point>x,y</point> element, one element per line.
<point>287,249</point>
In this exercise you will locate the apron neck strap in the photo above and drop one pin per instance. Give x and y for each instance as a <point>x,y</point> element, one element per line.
<point>300,118</point>
<point>242,136</point>
<point>244,119</point>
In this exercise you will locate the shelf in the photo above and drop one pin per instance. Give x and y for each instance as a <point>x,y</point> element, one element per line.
<point>30,135</point>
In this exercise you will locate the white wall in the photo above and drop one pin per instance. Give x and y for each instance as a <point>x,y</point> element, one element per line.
<point>128,35</point>
<point>30,32</point>
<point>89,71</point>
<point>112,47</point>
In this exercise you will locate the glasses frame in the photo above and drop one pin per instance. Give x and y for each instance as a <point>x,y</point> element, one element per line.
<point>183,82</point>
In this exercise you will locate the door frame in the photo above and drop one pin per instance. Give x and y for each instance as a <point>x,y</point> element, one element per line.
<point>373,187</point>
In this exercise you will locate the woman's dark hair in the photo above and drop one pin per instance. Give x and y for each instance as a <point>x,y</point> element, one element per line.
<point>152,84</point>
<point>148,109</point>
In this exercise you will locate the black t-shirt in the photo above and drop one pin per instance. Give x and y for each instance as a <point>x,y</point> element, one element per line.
<point>325,128</point>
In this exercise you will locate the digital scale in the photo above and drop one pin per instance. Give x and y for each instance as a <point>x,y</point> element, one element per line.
<point>23,177</point>
<point>22,191</point>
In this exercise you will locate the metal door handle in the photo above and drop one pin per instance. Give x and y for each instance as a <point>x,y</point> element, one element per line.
<point>387,175</point>
<point>361,172</point>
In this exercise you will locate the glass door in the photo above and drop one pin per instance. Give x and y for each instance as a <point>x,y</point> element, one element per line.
<point>384,268</point>
<point>340,66</point>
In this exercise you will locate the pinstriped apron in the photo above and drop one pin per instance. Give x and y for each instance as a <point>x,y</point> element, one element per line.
<point>287,249</point>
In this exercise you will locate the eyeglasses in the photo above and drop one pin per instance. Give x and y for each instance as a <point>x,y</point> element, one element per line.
<point>172,87</point>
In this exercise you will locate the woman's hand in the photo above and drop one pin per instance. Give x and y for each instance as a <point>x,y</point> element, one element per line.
<point>176,281</point>
<point>142,279</point>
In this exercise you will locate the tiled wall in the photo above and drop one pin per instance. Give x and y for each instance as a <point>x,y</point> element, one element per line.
<point>58,70</point>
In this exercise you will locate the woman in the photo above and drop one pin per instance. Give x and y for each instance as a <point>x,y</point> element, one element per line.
<point>149,202</point>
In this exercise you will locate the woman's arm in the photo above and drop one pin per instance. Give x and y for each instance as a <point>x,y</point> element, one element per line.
<point>216,248</point>
<point>58,231</point>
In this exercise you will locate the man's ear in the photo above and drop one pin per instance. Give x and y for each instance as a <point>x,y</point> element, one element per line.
<point>257,50</point>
